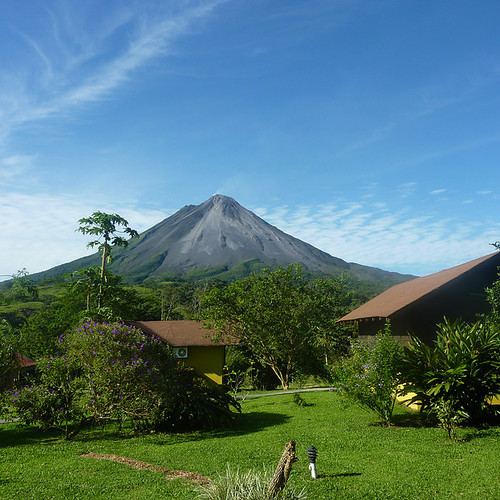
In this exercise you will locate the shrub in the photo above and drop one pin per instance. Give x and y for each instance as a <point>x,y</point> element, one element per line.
<point>250,485</point>
<point>369,376</point>
<point>128,374</point>
<point>56,401</point>
<point>462,368</point>
<point>115,372</point>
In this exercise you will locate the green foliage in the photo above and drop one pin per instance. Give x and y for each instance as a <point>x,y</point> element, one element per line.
<point>113,372</point>
<point>39,334</point>
<point>462,368</point>
<point>369,376</point>
<point>56,401</point>
<point>9,362</point>
<point>127,373</point>
<point>249,485</point>
<point>493,298</point>
<point>449,417</point>
<point>279,316</point>
<point>106,227</point>
<point>23,286</point>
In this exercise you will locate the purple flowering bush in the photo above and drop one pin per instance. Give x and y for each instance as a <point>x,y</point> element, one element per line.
<point>55,401</point>
<point>114,372</point>
<point>369,375</point>
<point>128,375</point>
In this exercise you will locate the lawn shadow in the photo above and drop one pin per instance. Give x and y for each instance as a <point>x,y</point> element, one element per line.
<point>409,419</point>
<point>340,474</point>
<point>246,423</point>
<point>491,433</point>
<point>21,435</point>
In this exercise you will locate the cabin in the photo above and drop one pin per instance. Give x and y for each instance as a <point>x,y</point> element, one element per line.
<point>191,344</point>
<point>416,306</point>
<point>24,369</point>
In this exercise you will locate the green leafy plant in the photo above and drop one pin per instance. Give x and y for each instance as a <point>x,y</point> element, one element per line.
<point>249,485</point>
<point>279,316</point>
<point>462,368</point>
<point>449,417</point>
<point>114,372</point>
<point>56,401</point>
<point>369,376</point>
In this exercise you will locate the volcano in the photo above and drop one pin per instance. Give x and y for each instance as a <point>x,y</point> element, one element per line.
<point>215,237</point>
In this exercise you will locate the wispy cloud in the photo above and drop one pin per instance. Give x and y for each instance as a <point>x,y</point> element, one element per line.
<point>76,68</point>
<point>374,235</point>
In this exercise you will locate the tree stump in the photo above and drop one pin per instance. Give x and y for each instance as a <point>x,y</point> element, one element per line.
<point>282,472</point>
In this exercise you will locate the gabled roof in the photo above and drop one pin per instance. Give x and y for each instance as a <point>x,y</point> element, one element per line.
<point>399,296</point>
<point>182,333</point>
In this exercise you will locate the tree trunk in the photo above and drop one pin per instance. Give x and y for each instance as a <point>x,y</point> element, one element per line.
<point>103,269</point>
<point>282,472</point>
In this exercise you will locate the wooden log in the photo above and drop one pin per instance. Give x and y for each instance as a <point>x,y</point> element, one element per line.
<point>282,472</point>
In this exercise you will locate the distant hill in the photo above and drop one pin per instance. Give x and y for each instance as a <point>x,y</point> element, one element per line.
<point>220,238</point>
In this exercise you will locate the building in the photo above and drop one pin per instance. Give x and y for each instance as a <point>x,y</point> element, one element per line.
<point>192,344</point>
<point>416,306</point>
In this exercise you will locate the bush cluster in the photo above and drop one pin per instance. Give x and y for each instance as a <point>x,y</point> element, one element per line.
<point>368,376</point>
<point>114,372</point>
<point>460,372</point>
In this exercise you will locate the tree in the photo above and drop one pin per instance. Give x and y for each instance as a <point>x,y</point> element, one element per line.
<point>106,228</point>
<point>9,361</point>
<point>23,286</point>
<point>277,315</point>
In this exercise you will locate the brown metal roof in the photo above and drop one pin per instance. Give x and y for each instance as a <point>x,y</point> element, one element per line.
<point>403,294</point>
<point>25,361</point>
<point>182,333</point>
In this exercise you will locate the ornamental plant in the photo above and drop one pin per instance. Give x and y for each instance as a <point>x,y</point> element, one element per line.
<point>113,372</point>
<point>56,400</point>
<point>462,368</point>
<point>368,376</point>
<point>128,375</point>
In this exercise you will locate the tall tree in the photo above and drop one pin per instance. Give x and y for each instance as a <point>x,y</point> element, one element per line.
<point>109,229</point>
<point>278,315</point>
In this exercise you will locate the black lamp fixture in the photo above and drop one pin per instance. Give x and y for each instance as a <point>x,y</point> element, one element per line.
<point>312,453</point>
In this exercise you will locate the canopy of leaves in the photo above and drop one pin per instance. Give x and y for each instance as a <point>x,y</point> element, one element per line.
<point>281,317</point>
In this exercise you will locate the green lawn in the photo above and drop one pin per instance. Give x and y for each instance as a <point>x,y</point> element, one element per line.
<point>357,458</point>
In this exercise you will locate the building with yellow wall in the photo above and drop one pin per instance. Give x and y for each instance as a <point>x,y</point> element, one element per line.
<point>192,344</point>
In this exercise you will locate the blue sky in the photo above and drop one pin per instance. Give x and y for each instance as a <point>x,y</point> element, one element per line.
<point>369,129</point>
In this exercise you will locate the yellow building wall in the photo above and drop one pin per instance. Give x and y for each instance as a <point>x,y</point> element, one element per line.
<point>207,361</point>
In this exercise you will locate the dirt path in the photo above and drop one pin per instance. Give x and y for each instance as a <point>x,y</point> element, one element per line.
<point>194,477</point>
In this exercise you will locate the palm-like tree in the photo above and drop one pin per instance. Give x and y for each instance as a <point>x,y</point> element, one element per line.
<point>107,229</point>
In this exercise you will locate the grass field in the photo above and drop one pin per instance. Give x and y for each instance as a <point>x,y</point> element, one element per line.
<point>357,458</point>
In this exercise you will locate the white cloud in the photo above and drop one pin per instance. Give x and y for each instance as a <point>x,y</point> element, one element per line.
<point>396,241</point>
<point>41,229</point>
<point>14,166</point>
<point>76,68</point>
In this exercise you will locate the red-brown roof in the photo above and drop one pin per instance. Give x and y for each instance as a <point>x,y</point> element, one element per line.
<point>25,361</point>
<point>182,333</point>
<point>403,294</point>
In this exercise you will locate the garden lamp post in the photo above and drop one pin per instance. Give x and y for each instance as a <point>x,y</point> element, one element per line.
<point>312,453</point>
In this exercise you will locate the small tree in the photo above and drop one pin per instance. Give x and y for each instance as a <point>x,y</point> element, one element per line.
<point>56,401</point>
<point>369,376</point>
<point>278,315</point>
<point>23,286</point>
<point>106,228</point>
